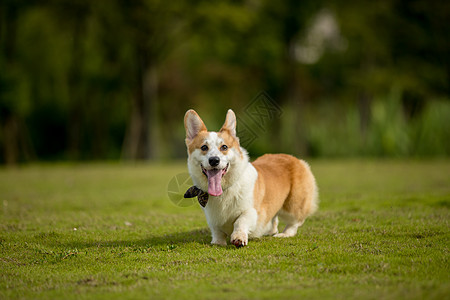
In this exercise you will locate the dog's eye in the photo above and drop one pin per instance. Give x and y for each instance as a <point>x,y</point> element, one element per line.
<point>223,148</point>
<point>204,148</point>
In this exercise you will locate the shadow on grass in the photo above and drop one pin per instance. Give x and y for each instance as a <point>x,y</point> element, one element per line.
<point>200,236</point>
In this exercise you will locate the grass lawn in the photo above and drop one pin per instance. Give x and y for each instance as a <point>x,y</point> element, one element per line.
<point>109,231</point>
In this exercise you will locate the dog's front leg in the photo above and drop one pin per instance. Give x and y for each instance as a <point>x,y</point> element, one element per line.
<point>242,226</point>
<point>218,237</point>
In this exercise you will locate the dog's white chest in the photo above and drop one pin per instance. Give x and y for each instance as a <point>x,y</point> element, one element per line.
<point>223,211</point>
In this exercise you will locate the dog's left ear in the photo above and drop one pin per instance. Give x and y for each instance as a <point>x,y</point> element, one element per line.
<point>230,123</point>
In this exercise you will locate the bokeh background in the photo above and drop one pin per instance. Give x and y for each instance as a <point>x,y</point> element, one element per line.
<point>109,80</point>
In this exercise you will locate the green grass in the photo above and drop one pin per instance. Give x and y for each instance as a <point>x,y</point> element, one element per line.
<point>109,231</point>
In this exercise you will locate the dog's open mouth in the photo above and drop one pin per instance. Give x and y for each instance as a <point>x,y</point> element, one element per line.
<point>215,180</point>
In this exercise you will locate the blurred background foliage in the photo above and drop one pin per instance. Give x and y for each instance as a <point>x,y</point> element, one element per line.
<point>90,80</point>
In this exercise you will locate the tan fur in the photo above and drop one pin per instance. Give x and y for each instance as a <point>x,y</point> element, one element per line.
<point>225,133</point>
<point>254,194</point>
<point>229,140</point>
<point>284,182</point>
<point>197,142</point>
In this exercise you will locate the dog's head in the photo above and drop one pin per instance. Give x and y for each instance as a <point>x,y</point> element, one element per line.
<point>213,156</point>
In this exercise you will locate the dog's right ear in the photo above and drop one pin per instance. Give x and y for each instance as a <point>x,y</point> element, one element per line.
<point>193,124</point>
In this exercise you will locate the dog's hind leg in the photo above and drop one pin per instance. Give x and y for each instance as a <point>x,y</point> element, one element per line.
<point>290,229</point>
<point>274,226</point>
<point>302,201</point>
<point>293,222</point>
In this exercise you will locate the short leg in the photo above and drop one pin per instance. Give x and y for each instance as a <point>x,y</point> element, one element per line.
<point>242,226</point>
<point>290,230</point>
<point>274,229</point>
<point>218,237</point>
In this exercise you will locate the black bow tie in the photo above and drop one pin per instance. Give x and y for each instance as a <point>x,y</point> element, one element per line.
<point>201,195</point>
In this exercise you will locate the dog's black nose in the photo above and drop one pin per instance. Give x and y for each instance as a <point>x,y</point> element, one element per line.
<point>214,161</point>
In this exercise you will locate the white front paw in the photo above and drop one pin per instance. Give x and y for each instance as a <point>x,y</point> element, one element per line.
<point>239,239</point>
<point>219,242</point>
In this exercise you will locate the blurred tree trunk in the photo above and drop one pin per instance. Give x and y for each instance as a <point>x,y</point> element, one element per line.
<point>140,140</point>
<point>365,113</point>
<point>296,102</point>
<point>146,23</point>
<point>75,108</point>
<point>17,141</point>
<point>75,80</point>
<point>291,16</point>
<point>11,147</point>
<point>9,123</point>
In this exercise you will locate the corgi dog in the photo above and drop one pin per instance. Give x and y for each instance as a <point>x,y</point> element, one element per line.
<point>246,198</point>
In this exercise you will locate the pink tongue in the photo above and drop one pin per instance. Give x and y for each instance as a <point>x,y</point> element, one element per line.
<point>214,182</point>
